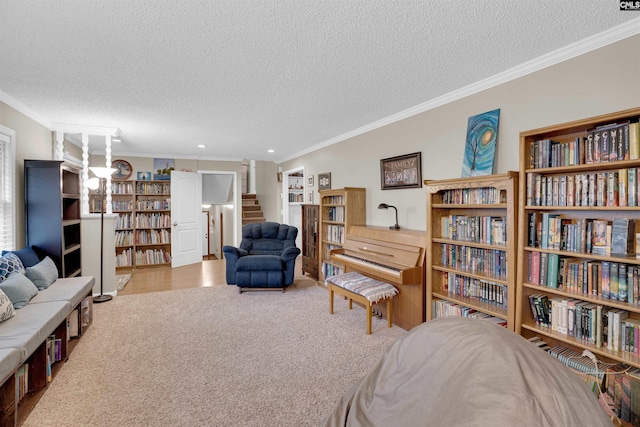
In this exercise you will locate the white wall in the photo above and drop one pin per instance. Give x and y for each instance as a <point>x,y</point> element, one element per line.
<point>598,82</point>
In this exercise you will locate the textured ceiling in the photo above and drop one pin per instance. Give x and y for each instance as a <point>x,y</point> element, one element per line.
<point>244,76</point>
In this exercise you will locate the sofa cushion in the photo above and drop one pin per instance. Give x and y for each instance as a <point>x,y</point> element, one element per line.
<point>27,255</point>
<point>19,289</point>
<point>32,325</point>
<point>7,310</point>
<point>10,359</point>
<point>71,289</point>
<point>10,263</point>
<point>43,274</point>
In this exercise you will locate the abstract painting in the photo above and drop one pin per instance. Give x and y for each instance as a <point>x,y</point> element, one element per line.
<point>480,148</point>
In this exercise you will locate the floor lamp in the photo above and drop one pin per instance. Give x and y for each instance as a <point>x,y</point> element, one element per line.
<point>101,180</point>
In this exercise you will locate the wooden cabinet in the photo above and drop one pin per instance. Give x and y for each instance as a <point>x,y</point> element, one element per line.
<point>52,212</point>
<point>471,247</point>
<point>339,210</point>
<point>310,235</point>
<point>576,179</point>
<point>143,225</point>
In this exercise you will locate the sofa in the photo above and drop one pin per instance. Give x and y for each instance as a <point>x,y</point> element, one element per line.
<point>265,259</point>
<point>32,309</point>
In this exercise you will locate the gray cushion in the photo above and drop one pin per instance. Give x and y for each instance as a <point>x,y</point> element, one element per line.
<point>19,289</point>
<point>7,310</point>
<point>32,325</point>
<point>43,273</point>
<point>71,289</point>
<point>9,361</point>
<point>10,263</point>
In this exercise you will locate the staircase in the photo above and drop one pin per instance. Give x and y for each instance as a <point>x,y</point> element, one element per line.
<point>251,210</point>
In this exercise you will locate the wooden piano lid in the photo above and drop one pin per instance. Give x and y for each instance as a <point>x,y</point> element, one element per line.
<point>402,236</point>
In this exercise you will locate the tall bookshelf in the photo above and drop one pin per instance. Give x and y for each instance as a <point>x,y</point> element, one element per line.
<point>471,246</point>
<point>143,224</point>
<point>573,182</point>
<point>52,212</point>
<point>310,233</point>
<point>339,210</point>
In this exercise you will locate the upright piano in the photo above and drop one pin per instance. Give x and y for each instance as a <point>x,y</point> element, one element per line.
<point>393,256</point>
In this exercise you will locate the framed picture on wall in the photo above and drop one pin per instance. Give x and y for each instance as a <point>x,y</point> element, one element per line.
<point>401,171</point>
<point>324,181</point>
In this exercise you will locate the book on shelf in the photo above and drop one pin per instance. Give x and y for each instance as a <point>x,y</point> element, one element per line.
<point>623,236</point>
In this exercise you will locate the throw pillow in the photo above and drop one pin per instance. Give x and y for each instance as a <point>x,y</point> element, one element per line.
<point>27,255</point>
<point>19,289</point>
<point>43,273</point>
<point>10,263</point>
<point>6,307</point>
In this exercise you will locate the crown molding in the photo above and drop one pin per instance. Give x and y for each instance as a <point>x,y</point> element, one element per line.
<point>615,34</point>
<point>20,107</point>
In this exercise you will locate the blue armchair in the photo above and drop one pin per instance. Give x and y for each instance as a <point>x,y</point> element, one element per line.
<point>265,259</point>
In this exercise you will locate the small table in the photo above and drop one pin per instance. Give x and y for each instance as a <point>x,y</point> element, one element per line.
<point>365,290</point>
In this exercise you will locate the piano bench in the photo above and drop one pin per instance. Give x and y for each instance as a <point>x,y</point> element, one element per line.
<point>365,290</point>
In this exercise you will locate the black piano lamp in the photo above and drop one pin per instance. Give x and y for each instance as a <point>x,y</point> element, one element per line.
<point>386,206</point>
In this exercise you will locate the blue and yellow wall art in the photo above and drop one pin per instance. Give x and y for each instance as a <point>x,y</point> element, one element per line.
<point>480,148</point>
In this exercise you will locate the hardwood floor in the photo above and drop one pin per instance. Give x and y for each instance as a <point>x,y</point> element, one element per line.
<point>155,279</point>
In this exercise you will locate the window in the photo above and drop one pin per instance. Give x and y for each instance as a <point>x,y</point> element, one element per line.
<point>7,193</point>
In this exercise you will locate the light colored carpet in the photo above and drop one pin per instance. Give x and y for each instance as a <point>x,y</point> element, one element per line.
<point>122,280</point>
<point>214,357</point>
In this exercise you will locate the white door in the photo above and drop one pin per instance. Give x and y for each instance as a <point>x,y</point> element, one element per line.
<point>186,208</point>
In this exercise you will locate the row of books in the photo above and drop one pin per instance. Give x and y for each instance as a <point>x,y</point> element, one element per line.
<point>121,187</point>
<point>153,237</point>
<point>616,281</point>
<point>124,258</point>
<point>124,238</point>
<point>153,188</point>
<point>610,143</point>
<point>329,270</point>
<point>335,233</point>
<point>95,205</point>
<point>612,188</point>
<point>124,221</point>
<point>484,291</point>
<point>335,213</point>
<point>442,308</point>
<point>474,196</point>
<point>490,262</point>
<point>296,198</point>
<point>22,381</point>
<point>595,324</point>
<point>592,236</point>
<point>490,230</point>
<point>153,220</point>
<point>153,205</point>
<point>333,200</point>
<point>152,257</point>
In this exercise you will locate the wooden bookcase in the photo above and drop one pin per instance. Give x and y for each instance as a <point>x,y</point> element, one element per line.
<point>339,210</point>
<point>471,245</point>
<point>310,234</point>
<point>143,225</point>
<point>560,261</point>
<point>52,212</point>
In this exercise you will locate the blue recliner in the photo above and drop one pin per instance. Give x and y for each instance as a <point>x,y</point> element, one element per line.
<point>265,259</point>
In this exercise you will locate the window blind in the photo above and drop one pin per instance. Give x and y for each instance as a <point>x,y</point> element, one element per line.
<point>7,196</point>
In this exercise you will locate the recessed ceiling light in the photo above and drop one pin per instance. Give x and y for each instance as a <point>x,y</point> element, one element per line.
<point>271,150</point>
<point>116,139</point>
<point>202,146</point>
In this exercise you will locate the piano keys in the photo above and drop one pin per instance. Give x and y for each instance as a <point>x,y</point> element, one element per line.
<point>393,256</point>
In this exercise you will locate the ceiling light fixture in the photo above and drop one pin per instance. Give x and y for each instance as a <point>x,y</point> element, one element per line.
<point>271,150</point>
<point>202,146</point>
<point>116,139</point>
